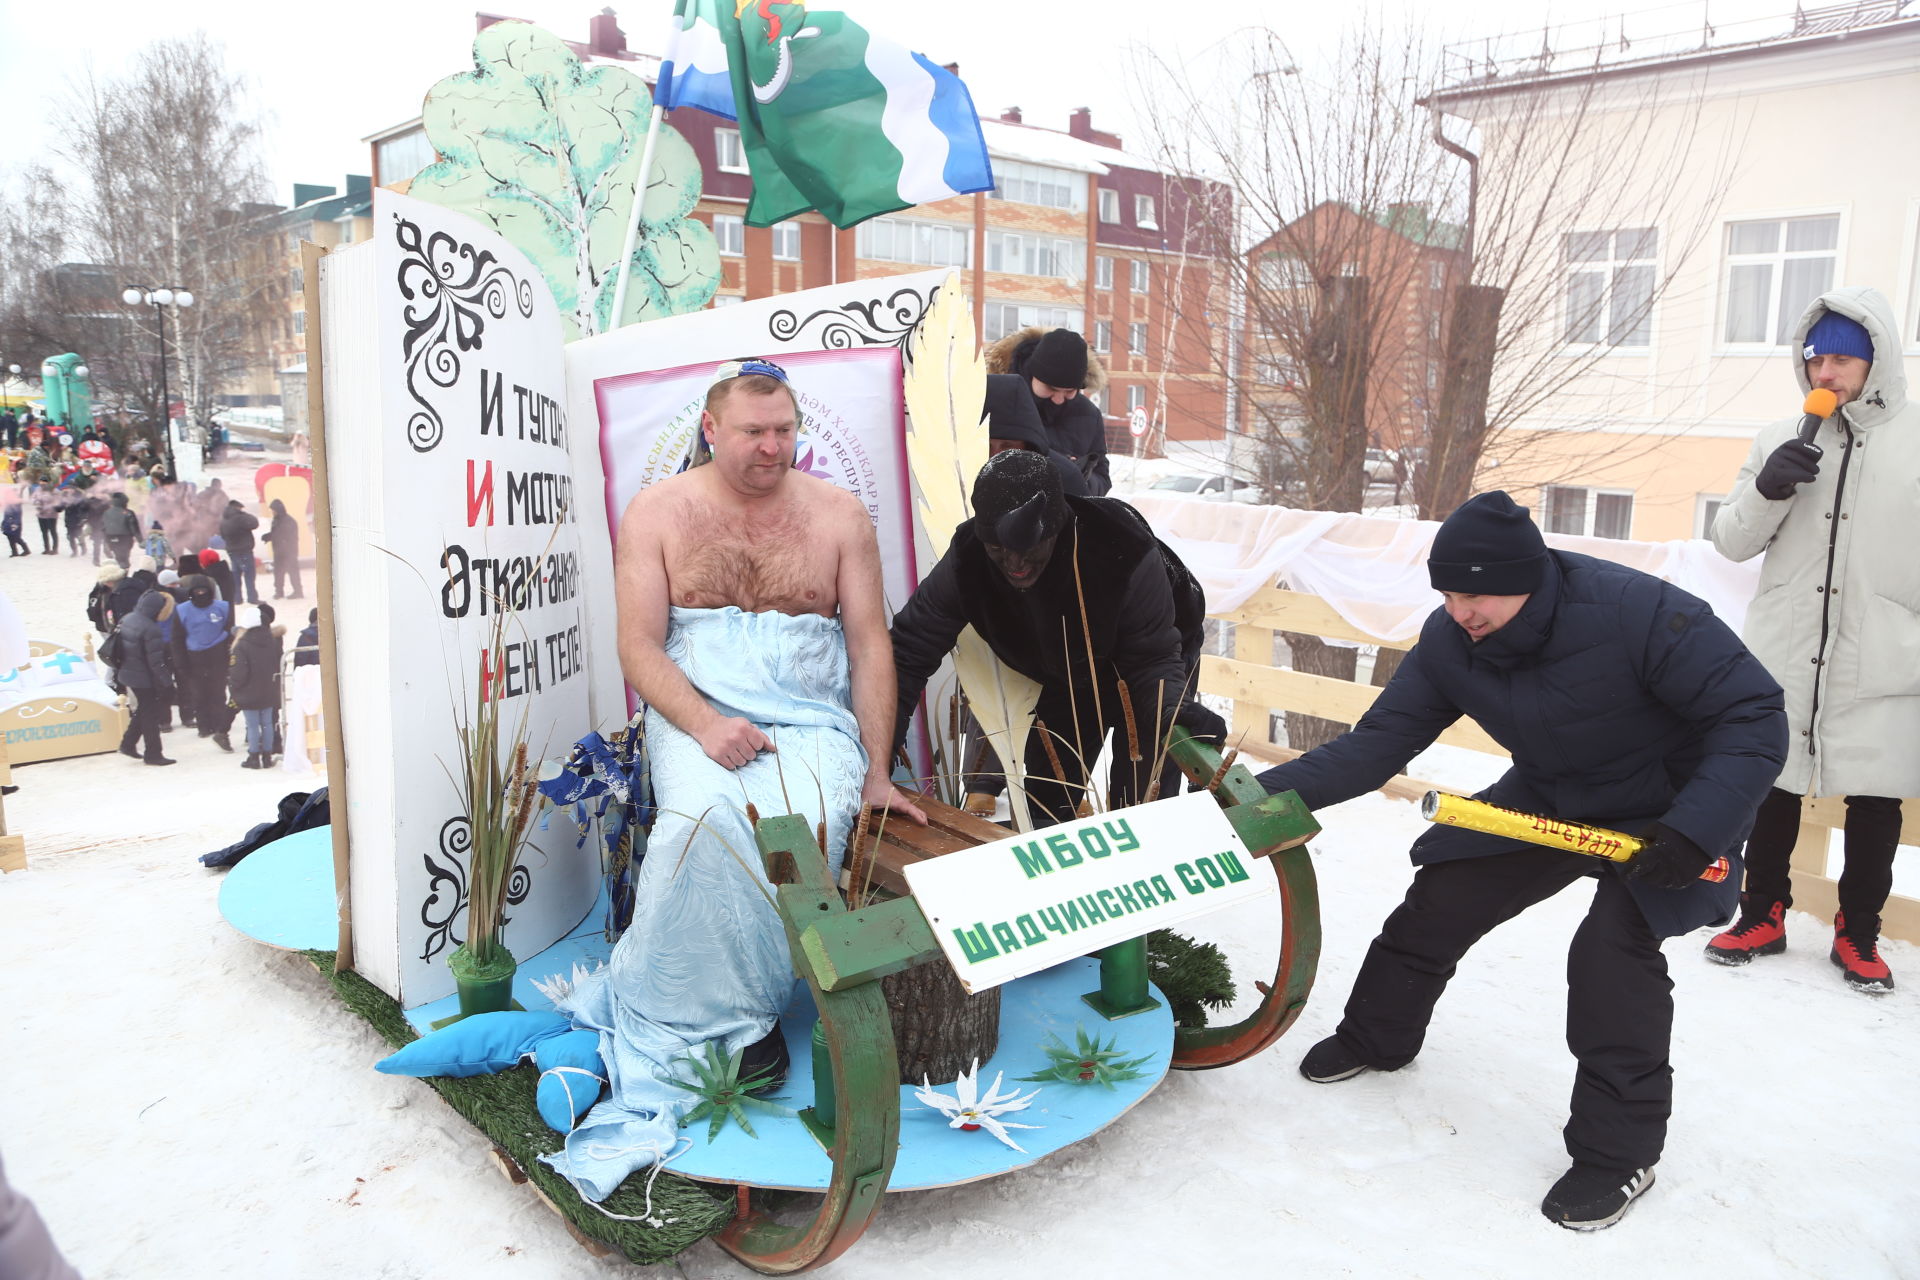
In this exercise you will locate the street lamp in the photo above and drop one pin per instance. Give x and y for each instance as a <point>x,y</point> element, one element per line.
<point>161,297</point>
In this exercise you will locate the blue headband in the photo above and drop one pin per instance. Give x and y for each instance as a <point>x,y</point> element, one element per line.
<point>745,367</point>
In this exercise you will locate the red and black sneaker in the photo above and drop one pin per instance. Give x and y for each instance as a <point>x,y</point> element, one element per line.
<point>1857,953</point>
<point>1761,930</point>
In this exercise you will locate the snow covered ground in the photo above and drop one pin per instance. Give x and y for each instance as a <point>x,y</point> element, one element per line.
<point>182,1102</point>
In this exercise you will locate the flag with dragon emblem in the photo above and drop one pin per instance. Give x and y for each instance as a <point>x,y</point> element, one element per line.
<point>831,117</point>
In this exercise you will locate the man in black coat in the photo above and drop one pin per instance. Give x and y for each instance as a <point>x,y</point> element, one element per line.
<point>1626,704</point>
<point>146,673</point>
<point>1077,594</point>
<point>236,527</point>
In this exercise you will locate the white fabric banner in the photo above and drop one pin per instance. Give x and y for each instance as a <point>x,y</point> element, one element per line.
<point>1373,569</point>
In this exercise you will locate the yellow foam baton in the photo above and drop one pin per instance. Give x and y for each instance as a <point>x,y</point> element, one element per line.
<point>1550,833</point>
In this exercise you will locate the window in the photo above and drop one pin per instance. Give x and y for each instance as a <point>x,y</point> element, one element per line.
<point>1039,184</point>
<point>1774,269</point>
<point>1137,338</point>
<point>728,153</point>
<point>727,300</point>
<point>932,244</point>
<point>1103,273</point>
<point>1143,214</point>
<point>1136,398</point>
<point>1097,399</point>
<point>300,322</point>
<point>299,279</point>
<point>1610,286</point>
<point>1275,368</point>
<point>786,241</point>
<point>1436,275</point>
<point>1140,278</point>
<point>1030,255</point>
<point>1589,512</point>
<point>404,155</point>
<point>1283,271</point>
<point>730,233</point>
<point>1102,336</point>
<point>1705,507</point>
<point>1109,205</point>
<point>1003,318</point>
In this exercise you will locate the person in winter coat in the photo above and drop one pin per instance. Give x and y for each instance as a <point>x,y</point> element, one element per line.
<point>206,629</point>
<point>212,566</point>
<point>1625,704</point>
<point>146,672</point>
<point>236,528</point>
<point>10,522</point>
<point>121,528</point>
<point>283,535</point>
<point>157,545</point>
<point>74,517</point>
<point>1033,561</point>
<point>128,591</point>
<point>306,648</point>
<point>98,599</point>
<point>1060,371</point>
<point>1837,622</point>
<point>253,682</point>
<point>46,509</point>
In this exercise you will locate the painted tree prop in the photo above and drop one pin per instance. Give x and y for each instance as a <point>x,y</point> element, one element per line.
<point>1277,829</point>
<point>545,150</point>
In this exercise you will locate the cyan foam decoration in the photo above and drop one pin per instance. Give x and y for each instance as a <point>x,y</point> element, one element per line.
<point>475,1046</point>
<point>572,1075</point>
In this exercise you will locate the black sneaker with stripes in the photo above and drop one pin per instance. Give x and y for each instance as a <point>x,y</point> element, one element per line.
<point>1589,1197</point>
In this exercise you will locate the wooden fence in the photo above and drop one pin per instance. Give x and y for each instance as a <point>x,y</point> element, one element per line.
<point>1258,689</point>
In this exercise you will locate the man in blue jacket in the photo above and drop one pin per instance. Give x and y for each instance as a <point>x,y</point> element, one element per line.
<point>1625,703</point>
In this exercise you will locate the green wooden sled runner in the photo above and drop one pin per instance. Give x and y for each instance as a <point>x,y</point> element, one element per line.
<point>842,954</point>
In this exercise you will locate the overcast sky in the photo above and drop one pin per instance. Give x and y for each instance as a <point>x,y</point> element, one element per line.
<point>327,75</point>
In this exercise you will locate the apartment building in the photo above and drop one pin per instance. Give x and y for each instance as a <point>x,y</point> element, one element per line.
<point>1080,234</point>
<point>1784,154</point>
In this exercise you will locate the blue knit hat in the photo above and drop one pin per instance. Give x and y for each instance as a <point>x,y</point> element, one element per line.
<point>1836,335</point>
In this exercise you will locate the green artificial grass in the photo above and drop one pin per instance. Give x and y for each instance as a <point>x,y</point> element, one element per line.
<point>502,1107</point>
<point>1194,976</point>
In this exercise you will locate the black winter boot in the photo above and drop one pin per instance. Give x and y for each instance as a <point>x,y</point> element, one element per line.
<point>252,761</point>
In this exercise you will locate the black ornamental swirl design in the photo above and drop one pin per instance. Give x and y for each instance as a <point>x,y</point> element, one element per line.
<point>440,912</point>
<point>451,289</point>
<point>871,323</point>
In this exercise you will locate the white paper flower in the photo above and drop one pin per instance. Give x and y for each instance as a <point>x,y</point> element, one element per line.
<point>967,1110</point>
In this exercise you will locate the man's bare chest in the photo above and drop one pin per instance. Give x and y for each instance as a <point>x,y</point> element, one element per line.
<point>775,567</point>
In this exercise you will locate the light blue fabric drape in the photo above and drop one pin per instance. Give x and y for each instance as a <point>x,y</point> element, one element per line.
<point>706,957</point>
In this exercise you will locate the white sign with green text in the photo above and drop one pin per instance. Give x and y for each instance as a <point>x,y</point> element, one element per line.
<point>1026,903</point>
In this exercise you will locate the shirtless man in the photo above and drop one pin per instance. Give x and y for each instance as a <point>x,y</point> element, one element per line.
<point>748,530</point>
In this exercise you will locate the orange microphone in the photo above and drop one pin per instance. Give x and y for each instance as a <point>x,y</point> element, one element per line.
<point>1819,406</point>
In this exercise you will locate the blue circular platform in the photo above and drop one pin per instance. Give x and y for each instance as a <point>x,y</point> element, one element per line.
<point>785,1155</point>
<point>282,893</point>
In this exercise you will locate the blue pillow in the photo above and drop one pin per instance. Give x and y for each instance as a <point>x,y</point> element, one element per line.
<point>476,1046</point>
<point>571,1077</point>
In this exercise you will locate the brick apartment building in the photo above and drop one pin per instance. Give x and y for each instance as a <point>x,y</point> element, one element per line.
<point>1079,234</point>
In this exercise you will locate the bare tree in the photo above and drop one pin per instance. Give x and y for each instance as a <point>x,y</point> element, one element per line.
<point>1394,291</point>
<point>157,180</point>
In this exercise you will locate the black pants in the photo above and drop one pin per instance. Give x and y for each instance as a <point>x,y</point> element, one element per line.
<point>1872,836</point>
<point>149,710</point>
<point>121,549</point>
<point>207,685</point>
<point>15,543</point>
<point>1619,998</point>
<point>50,534</point>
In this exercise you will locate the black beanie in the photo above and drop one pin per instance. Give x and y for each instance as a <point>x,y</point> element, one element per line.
<point>1011,413</point>
<point>1488,547</point>
<point>1016,500</point>
<point>1060,360</point>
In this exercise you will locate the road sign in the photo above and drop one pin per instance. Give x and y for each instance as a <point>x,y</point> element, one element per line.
<point>1137,423</point>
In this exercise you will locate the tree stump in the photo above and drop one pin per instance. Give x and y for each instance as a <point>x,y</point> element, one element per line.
<point>938,1029</point>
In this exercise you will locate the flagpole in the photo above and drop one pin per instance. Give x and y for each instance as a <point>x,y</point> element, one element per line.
<point>633,223</point>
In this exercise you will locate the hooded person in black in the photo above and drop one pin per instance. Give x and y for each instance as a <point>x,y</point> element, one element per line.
<point>1014,423</point>
<point>253,684</point>
<point>146,672</point>
<point>1059,372</point>
<point>1077,594</point>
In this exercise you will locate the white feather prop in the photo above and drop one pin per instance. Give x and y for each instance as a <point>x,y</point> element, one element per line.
<point>946,392</point>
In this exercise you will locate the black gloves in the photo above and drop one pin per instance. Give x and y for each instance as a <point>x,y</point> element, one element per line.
<point>1787,467</point>
<point>1669,860</point>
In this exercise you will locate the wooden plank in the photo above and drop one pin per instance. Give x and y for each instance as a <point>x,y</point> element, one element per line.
<point>1278,610</point>
<point>1251,644</point>
<point>13,853</point>
<point>1324,696</point>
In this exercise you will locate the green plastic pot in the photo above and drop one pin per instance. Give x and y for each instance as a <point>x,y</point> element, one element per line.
<point>484,988</point>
